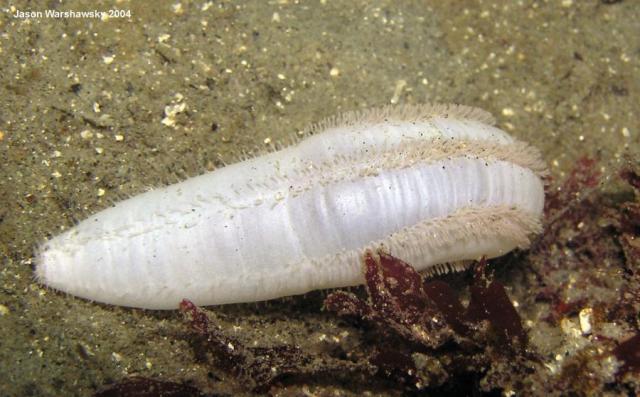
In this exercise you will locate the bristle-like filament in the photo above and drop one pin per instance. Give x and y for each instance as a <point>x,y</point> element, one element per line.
<point>370,162</point>
<point>426,238</point>
<point>410,113</point>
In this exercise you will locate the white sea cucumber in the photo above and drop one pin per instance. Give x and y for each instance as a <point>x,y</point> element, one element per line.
<point>434,184</point>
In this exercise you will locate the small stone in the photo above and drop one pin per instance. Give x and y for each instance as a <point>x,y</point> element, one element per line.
<point>625,132</point>
<point>170,113</point>
<point>508,112</point>
<point>585,316</point>
<point>84,350</point>
<point>400,84</point>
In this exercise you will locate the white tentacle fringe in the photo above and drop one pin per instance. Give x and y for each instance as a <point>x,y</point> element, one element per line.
<point>434,184</point>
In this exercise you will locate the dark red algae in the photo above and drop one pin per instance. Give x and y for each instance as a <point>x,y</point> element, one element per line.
<point>587,265</point>
<point>629,353</point>
<point>627,222</point>
<point>429,312</point>
<point>427,317</point>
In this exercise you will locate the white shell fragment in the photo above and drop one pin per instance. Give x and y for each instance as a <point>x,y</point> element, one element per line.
<point>585,317</point>
<point>434,184</point>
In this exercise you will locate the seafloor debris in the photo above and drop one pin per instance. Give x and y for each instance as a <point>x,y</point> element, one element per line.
<point>137,386</point>
<point>261,367</point>
<point>628,224</point>
<point>587,269</point>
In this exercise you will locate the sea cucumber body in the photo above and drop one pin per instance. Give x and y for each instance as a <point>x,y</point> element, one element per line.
<point>431,186</point>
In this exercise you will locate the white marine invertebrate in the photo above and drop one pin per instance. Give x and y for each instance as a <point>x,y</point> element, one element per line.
<point>433,183</point>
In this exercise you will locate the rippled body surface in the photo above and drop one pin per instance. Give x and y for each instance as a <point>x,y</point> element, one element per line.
<point>433,184</point>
